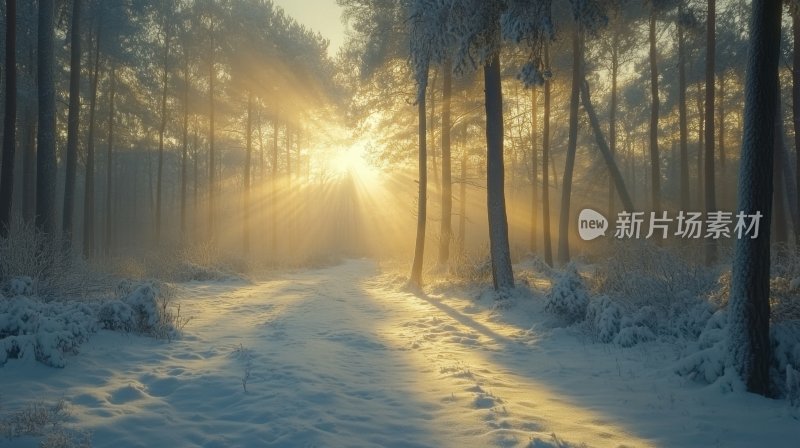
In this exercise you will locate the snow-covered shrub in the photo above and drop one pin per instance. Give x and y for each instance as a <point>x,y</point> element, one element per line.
<point>706,358</point>
<point>64,438</point>
<point>784,300</point>
<point>688,317</point>
<point>785,337</point>
<point>632,335</point>
<point>471,267</point>
<point>116,315</point>
<point>53,271</point>
<point>188,271</point>
<point>32,329</point>
<point>568,297</point>
<point>603,318</point>
<point>19,286</point>
<point>646,275</point>
<point>34,419</point>
<point>637,327</point>
<point>45,420</point>
<point>792,386</point>
<point>145,307</point>
<point>151,309</point>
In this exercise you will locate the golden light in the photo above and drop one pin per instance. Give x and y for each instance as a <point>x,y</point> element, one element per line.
<point>351,161</point>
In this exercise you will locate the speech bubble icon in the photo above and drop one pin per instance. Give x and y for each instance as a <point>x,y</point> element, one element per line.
<point>591,224</point>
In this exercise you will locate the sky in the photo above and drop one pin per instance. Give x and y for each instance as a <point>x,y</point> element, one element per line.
<point>324,16</point>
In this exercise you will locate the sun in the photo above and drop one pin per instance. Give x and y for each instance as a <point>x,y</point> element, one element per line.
<point>351,161</point>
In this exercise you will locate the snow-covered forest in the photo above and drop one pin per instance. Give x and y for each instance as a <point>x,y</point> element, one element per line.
<point>470,223</point>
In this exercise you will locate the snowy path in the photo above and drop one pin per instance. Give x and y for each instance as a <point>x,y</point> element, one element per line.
<point>334,358</point>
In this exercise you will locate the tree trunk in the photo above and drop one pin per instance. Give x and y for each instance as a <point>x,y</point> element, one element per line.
<point>548,251</point>
<point>721,117</point>
<point>796,102</point>
<point>710,193</point>
<point>195,174</point>
<point>612,117</point>
<point>502,272</point>
<point>534,170</point>
<point>29,166</point>
<point>185,148</point>
<point>247,163</point>
<point>749,302</point>
<point>684,132</point>
<point>161,130</point>
<point>446,233</point>
<point>419,247</point>
<point>88,191</point>
<point>655,159</point>
<point>46,170</point>
<point>700,145</point>
<point>211,154</point>
<point>73,121</point>
<point>431,125</point>
<point>566,191</point>
<point>110,161</point>
<point>9,119</point>
<point>613,169</point>
<point>462,218</point>
<point>274,189</point>
<point>780,216</point>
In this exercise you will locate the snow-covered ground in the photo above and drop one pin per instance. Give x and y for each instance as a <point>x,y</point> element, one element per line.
<point>342,357</point>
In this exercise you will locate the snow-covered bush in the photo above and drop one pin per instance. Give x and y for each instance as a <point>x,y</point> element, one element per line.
<point>152,312</point>
<point>634,334</point>
<point>688,317</point>
<point>46,420</point>
<point>603,318</point>
<point>784,299</point>
<point>19,286</point>
<point>471,267</point>
<point>568,297</point>
<point>792,386</point>
<point>188,271</point>
<point>785,337</point>
<point>143,302</point>
<point>34,419</point>
<point>646,275</point>
<point>32,329</point>
<point>116,315</point>
<point>40,266</point>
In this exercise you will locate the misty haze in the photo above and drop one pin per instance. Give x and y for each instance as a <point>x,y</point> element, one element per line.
<point>400,223</point>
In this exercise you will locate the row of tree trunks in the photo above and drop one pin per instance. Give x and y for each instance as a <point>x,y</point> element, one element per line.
<point>9,119</point>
